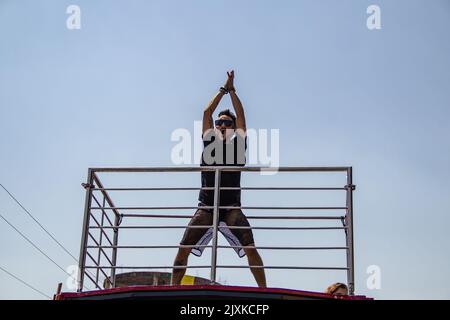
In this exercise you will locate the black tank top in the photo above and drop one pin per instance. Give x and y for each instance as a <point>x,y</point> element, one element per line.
<point>222,154</point>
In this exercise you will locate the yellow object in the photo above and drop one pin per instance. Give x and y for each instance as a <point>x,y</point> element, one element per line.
<point>187,280</point>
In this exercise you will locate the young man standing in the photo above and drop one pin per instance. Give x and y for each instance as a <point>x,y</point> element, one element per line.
<point>224,143</point>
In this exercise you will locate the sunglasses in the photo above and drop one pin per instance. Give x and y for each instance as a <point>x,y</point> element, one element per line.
<point>227,123</point>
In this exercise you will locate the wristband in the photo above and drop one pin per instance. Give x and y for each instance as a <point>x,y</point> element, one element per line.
<point>223,90</point>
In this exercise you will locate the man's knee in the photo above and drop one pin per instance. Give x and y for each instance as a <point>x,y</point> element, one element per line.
<point>252,253</point>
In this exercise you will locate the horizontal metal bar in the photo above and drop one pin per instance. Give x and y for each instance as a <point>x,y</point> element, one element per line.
<point>297,217</point>
<point>155,189</point>
<point>248,217</point>
<point>285,188</point>
<point>150,267</point>
<point>283,208</point>
<point>150,208</point>
<point>154,227</point>
<point>221,188</point>
<point>223,227</point>
<point>286,228</point>
<point>220,207</point>
<point>285,268</point>
<point>220,266</point>
<point>284,248</point>
<point>173,216</point>
<point>209,246</point>
<point>149,247</point>
<point>224,168</point>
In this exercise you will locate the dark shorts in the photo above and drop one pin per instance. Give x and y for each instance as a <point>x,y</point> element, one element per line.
<point>227,217</point>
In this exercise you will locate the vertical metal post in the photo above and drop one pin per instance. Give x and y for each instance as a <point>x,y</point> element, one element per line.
<point>349,233</point>
<point>114,250</point>
<point>215,225</point>
<point>85,230</point>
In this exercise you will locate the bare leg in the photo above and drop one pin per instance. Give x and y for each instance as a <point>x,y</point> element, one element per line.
<point>254,259</point>
<point>237,218</point>
<point>180,260</point>
<point>191,237</point>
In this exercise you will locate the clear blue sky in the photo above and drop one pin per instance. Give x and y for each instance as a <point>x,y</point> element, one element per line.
<point>111,93</point>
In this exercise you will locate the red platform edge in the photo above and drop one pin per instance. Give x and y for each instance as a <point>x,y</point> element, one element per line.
<point>218,288</point>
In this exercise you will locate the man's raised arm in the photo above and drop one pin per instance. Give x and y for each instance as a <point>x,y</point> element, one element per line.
<point>237,105</point>
<point>239,109</point>
<point>208,112</point>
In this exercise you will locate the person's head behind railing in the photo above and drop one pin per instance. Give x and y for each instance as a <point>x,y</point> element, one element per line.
<point>338,289</point>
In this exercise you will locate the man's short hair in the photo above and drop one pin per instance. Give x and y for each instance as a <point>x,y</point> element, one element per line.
<point>228,112</point>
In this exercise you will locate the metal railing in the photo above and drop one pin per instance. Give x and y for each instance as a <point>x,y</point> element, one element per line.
<point>109,223</point>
